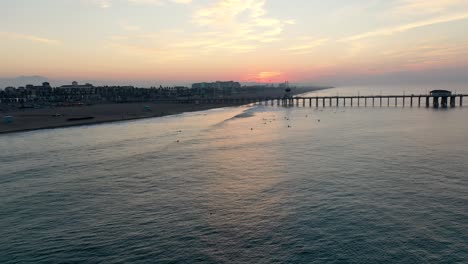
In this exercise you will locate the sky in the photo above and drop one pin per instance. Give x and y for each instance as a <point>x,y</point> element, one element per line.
<point>183,41</point>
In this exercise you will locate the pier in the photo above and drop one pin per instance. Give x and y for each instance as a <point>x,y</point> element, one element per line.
<point>435,100</point>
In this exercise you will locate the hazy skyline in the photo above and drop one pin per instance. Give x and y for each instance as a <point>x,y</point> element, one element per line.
<point>179,41</point>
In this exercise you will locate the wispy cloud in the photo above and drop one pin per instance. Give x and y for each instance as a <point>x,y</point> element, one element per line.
<point>425,7</point>
<point>246,19</point>
<point>406,27</point>
<point>227,11</point>
<point>428,54</point>
<point>101,3</point>
<point>194,45</point>
<point>265,76</point>
<point>12,35</point>
<point>306,45</point>
<point>226,27</point>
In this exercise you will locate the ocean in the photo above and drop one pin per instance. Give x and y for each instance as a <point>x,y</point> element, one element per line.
<point>250,184</point>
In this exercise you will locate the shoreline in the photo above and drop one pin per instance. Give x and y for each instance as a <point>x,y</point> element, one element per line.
<point>26,120</point>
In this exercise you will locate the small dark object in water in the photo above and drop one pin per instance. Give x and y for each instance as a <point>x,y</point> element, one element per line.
<point>80,118</point>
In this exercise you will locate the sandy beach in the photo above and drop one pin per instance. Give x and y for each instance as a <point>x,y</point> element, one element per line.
<point>33,119</point>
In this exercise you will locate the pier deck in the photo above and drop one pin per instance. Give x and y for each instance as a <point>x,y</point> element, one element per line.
<point>337,101</point>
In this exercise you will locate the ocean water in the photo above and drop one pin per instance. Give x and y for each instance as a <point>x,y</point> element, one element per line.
<point>252,184</point>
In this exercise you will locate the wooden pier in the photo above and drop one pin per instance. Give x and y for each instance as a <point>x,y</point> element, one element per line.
<point>341,101</point>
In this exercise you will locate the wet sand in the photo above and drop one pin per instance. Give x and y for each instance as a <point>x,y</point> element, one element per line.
<point>33,119</point>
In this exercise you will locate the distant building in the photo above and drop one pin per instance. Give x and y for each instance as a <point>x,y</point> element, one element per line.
<point>441,93</point>
<point>76,85</point>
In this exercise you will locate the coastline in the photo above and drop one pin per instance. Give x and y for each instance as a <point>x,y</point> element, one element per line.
<point>38,119</point>
<point>24,120</point>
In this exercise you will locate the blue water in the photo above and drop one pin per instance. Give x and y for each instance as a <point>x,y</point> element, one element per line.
<point>256,184</point>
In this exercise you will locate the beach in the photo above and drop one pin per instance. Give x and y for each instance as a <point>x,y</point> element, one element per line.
<point>55,117</point>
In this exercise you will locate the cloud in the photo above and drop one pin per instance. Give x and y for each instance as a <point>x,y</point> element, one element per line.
<point>427,54</point>
<point>12,35</point>
<point>227,11</point>
<point>101,3</point>
<point>244,19</point>
<point>265,76</point>
<point>187,45</point>
<point>226,27</point>
<point>425,7</point>
<point>307,45</point>
<point>406,27</point>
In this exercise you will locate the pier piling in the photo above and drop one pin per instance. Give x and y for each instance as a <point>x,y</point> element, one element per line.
<point>438,101</point>
<point>444,100</point>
